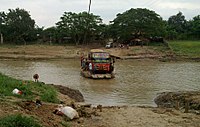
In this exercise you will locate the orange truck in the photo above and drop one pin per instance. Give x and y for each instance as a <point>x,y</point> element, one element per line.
<point>98,64</point>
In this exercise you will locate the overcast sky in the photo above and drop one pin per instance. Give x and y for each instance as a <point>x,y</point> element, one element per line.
<point>47,12</point>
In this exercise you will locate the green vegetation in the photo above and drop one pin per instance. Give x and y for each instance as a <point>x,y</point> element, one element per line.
<point>186,48</point>
<point>49,96</point>
<point>65,123</point>
<point>136,22</point>
<point>78,27</point>
<point>17,27</point>
<point>18,121</point>
<point>29,89</point>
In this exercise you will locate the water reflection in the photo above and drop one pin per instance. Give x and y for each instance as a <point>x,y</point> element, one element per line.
<point>136,82</point>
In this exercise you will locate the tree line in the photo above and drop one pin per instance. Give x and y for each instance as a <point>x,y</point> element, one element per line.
<point>17,27</point>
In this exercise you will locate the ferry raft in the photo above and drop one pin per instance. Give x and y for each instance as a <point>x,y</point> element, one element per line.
<point>98,65</point>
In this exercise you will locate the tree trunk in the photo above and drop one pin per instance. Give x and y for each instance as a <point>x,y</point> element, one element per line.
<point>24,41</point>
<point>76,39</point>
<point>50,40</point>
<point>77,42</point>
<point>1,38</point>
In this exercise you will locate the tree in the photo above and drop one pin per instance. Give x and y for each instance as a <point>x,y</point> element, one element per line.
<point>20,27</point>
<point>134,21</point>
<point>177,25</point>
<point>76,25</point>
<point>50,35</point>
<point>2,25</point>
<point>195,27</point>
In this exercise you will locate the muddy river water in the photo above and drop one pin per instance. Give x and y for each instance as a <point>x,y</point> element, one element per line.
<point>137,82</point>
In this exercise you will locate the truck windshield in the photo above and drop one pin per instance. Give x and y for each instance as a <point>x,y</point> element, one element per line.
<point>101,57</point>
<point>101,60</point>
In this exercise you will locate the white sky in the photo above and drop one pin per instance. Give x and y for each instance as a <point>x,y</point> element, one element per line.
<point>47,12</point>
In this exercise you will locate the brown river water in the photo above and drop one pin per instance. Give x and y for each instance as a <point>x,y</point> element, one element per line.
<point>137,82</point>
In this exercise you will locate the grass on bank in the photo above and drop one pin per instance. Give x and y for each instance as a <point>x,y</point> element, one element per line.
<point>18,121</point>
<point>186,48</point>
<point>29,89</point>
<point>159,47</point>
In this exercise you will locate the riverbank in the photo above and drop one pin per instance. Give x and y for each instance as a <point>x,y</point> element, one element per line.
<point>175,52</point>
<point>32,52</point>
<point>106,117</point>
<point>35,52</point>
<point>98,116</point>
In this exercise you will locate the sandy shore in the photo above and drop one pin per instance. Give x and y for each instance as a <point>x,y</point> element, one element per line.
<point>145,117</point>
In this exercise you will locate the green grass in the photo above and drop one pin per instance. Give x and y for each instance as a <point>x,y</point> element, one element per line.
<point>30,89</point>
<point>50,96</point>
<point>18,121</point>
<point>186,48</point>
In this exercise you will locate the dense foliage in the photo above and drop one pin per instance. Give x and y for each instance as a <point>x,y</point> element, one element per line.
<point>17,26</point>
<point>194,30</point>
<point>137,22</point>
<point>79,27</point>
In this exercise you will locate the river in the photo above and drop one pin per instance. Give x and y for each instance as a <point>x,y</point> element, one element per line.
<point>137,82</point>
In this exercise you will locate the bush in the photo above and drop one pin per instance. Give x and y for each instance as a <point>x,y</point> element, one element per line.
<point>18,121</point>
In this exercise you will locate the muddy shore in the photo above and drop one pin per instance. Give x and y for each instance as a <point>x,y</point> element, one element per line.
<point>171,110</point>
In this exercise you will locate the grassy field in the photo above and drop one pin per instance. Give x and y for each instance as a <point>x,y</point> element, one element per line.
<point>30,90</point>
<point>189,49</point>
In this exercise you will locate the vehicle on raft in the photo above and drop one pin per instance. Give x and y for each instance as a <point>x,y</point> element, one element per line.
<point>98,65</point>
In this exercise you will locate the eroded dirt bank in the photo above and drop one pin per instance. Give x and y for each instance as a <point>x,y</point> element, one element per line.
<point>31,52</point>
<point>48,52</point>
<point>182,100</point>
